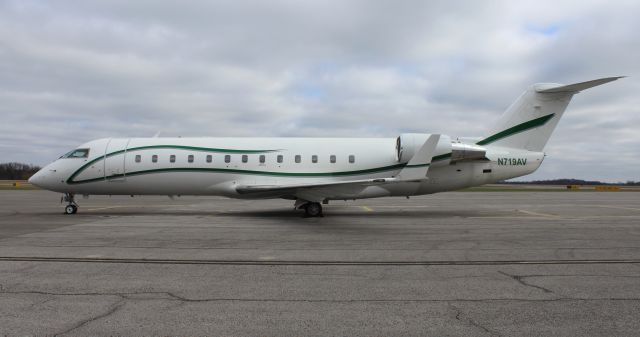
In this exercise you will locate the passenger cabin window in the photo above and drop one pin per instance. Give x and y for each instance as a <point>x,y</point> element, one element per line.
<point>227,158</point>
<point>245,158</point>
<point>77,153</point>
<point>209,158</point>
<point>154,158</point>
<point>332,158</point>
<point>352,159</point>
<point>172,158</point>
<point>298,158</point>
<point>262,158</point>
<point>280,158</point>
<point>314,159</point>
<point>190,158</point>
<point>138,158</point>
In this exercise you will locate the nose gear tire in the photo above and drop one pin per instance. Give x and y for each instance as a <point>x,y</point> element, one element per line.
<point>71,209</point>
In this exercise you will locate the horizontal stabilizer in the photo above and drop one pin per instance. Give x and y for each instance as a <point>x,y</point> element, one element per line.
<point>576,87</point>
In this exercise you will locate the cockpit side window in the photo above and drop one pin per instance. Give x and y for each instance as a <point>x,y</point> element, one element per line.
<point>77,153</point>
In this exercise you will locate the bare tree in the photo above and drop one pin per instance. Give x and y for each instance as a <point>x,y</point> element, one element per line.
<point>17,171</point>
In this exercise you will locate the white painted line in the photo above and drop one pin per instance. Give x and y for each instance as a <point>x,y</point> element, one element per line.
<point>545,215</point>
<point>103,208</point>
<point>130,206</point>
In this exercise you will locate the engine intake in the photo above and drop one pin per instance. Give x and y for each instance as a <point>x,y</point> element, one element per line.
<point>407,144</point>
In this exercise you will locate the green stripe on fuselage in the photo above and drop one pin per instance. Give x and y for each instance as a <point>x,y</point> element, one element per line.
<point>416,165</point>
<point>240,171</point>
<point>139,148</point>
<point>197,148</point>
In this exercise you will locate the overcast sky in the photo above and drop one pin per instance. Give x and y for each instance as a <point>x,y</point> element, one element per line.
<point>72,71</point>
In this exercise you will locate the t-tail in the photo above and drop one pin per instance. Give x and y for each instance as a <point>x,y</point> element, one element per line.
<point>530,120</point>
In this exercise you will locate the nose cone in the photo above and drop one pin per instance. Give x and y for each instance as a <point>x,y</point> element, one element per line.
<point>49,178</point>
<point>38,179</point>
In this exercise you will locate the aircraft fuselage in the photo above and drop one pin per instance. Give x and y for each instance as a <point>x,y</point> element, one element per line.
<point>215,166</point>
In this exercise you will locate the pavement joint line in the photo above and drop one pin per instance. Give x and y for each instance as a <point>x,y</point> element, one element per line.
<point>315,249</point>
<point>319,263</point>
<point>131,295</point>
<point>618,207</point>
<point>509,217</point>
<point>606,217</point>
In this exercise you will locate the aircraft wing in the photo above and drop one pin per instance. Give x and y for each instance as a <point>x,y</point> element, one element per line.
<point>312,191</point>
<point>414,171</point>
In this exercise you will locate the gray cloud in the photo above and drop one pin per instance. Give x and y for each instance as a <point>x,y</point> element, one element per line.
<point>75,71</point>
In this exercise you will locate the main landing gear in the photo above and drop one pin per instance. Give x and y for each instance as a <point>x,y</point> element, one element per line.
<point>311,208</point>
<point>72,206</point>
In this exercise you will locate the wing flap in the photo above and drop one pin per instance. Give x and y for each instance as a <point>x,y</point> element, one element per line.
<point>296,189</point>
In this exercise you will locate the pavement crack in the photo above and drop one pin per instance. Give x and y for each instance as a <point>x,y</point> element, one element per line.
<point>39,303</point>
<point>184,299</point>
<point>37,292</point>
<point>462,317</point>
<point>165,295</point>
<point>520,279</point>
<point>114,308</point>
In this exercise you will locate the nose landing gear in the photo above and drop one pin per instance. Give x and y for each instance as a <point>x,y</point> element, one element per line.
<point>72,206</point>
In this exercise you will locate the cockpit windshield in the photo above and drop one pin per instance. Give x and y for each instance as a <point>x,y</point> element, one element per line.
<point>77,153</point>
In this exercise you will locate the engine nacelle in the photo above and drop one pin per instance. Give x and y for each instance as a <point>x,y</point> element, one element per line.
<point>462,151</point>
<point>446,151</point>
<point>409,143</point>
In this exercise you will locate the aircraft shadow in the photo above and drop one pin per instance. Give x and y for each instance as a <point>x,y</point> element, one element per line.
<point>297,214</point>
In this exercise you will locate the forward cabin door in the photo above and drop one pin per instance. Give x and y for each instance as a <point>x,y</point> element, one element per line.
<point>114,164</point>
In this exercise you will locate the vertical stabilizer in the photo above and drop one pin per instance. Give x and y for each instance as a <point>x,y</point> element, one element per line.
<point>530,120</point>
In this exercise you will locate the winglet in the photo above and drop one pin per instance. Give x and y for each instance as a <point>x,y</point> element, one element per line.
<point>418,166</point>
<point>576,87</point>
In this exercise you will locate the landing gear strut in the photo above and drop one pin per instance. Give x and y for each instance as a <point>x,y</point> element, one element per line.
<point>72,207</point>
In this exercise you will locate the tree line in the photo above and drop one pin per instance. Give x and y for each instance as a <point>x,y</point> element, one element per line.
<point>17,171</point>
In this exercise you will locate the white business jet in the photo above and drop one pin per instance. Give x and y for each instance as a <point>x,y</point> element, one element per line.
<point>312,171</point>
